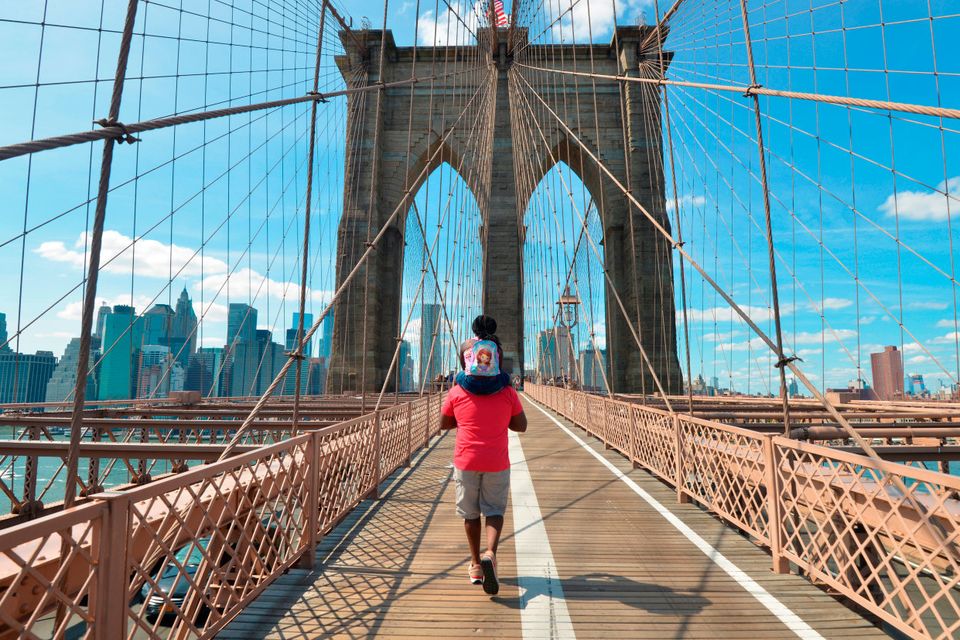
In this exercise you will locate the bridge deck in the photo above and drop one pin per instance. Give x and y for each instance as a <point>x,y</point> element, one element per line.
<point>619,567</point>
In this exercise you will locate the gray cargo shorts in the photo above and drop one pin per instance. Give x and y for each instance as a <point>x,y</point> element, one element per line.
<point>481,492</point>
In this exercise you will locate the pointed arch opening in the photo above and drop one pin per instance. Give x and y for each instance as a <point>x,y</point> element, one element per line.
<point>442,283</point>
<point>564,289</point>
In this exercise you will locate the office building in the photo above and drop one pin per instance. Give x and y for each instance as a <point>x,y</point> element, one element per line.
<point>593,364</point>
<point>24,377</point>
<point>122,338</point>
<point>64,378</point>
<point>102,314</point>
<point>183,336</point>
<point>290,381</point>
<point>887,367</point>
<point>555,354</point>
<point>406,367</point>
<point>4,347</point>
<point>326,337</point>
<point>430,361</point>
<point>204,372</point>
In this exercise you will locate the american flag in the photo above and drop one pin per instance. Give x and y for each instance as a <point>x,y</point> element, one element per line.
<point>502,20</point>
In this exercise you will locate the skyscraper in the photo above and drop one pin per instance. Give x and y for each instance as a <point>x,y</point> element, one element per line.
<point>290,381</point>
<point>24,377</point>
<point>592,365</point>
<point>241,323</point>
<point>153,371</point>
<point>158,325</point>
<point>183,337</point>
<point>241,352</point>
<point>406,368</point>
<point>430,365</point>
<point>554,353</point>
<point>122,338</point>
<point>326,339</point>
<point>887,369</point>
<point>292,333</point>
<point>4,347</point>
<point>64,378</point>
<point>204,372</point>
<point>102,314</point>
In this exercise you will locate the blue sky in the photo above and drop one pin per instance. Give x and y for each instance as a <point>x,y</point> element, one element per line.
<point>898,183</point>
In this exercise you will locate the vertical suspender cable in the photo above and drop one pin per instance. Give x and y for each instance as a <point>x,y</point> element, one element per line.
<point>297,352</point>
<point>93,269</point>
<point>781,360</point>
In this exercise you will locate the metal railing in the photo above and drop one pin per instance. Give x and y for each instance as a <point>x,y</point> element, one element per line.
<point>835,515</point>
<point>180,557</point>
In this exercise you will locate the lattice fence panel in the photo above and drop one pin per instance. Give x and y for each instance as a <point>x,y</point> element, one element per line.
<point>347,469</point>
<point>203,544</point>
<point>618,426</point>
<point>656,442</point>
<point>393,438</point>
<point>723,468</point>
<point>51,567</point>
<point>845,521</point>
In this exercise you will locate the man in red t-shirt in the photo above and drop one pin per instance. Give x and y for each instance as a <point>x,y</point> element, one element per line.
<point>481,462</point>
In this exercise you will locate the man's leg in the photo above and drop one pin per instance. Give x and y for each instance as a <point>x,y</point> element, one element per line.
<point>468,508</point>
<point>472,527</point>
<point>494,528</point>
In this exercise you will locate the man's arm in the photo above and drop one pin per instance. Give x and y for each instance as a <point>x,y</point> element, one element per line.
<point>518,423</point>
<point>447,422</point>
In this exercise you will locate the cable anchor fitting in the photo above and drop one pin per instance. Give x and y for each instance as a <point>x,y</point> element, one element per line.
<point>316,94</point>
<point>787,360</point>
<point>749,92</point>
<point>125,136</point>
<point>296,355</point>
<point>679,244</point>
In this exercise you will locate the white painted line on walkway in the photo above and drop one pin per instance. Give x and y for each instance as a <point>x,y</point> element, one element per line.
<point>543,609</point>
<point>777,608</point>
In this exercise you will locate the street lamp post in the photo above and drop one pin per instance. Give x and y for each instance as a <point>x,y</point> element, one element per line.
<point>569,317</point>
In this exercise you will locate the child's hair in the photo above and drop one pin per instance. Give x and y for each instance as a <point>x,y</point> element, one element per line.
<point>485,328</point>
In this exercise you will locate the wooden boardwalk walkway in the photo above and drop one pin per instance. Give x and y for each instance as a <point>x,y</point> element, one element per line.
<point>620,567</point>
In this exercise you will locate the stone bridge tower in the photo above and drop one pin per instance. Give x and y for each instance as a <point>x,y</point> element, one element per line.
<point>395,144</point>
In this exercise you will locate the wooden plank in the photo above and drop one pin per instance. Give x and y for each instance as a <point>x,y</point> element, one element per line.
<point>396,567</point>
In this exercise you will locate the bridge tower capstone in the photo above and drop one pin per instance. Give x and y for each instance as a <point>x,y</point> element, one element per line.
<point>396,139</point>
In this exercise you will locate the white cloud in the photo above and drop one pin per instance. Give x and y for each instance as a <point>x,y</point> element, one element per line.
<point>928,305</point>
<point>594,18</point>
<point>696,201</point>
<point>248,284</point>
<point>802,337</point>
<point>864,320</point>
<point>215,312</point>
<point>725,314</point>
<point>724,336</point>
<point>831,304</point>
<point>949,338</point>
<point>445,28</point>
<point>74,310</point>
<point>931,206</point>
<point>946,324</point>
<point>148,258</point>
<point>921,359</point>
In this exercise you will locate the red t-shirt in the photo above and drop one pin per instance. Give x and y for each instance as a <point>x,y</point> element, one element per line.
<point>482,427</point>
